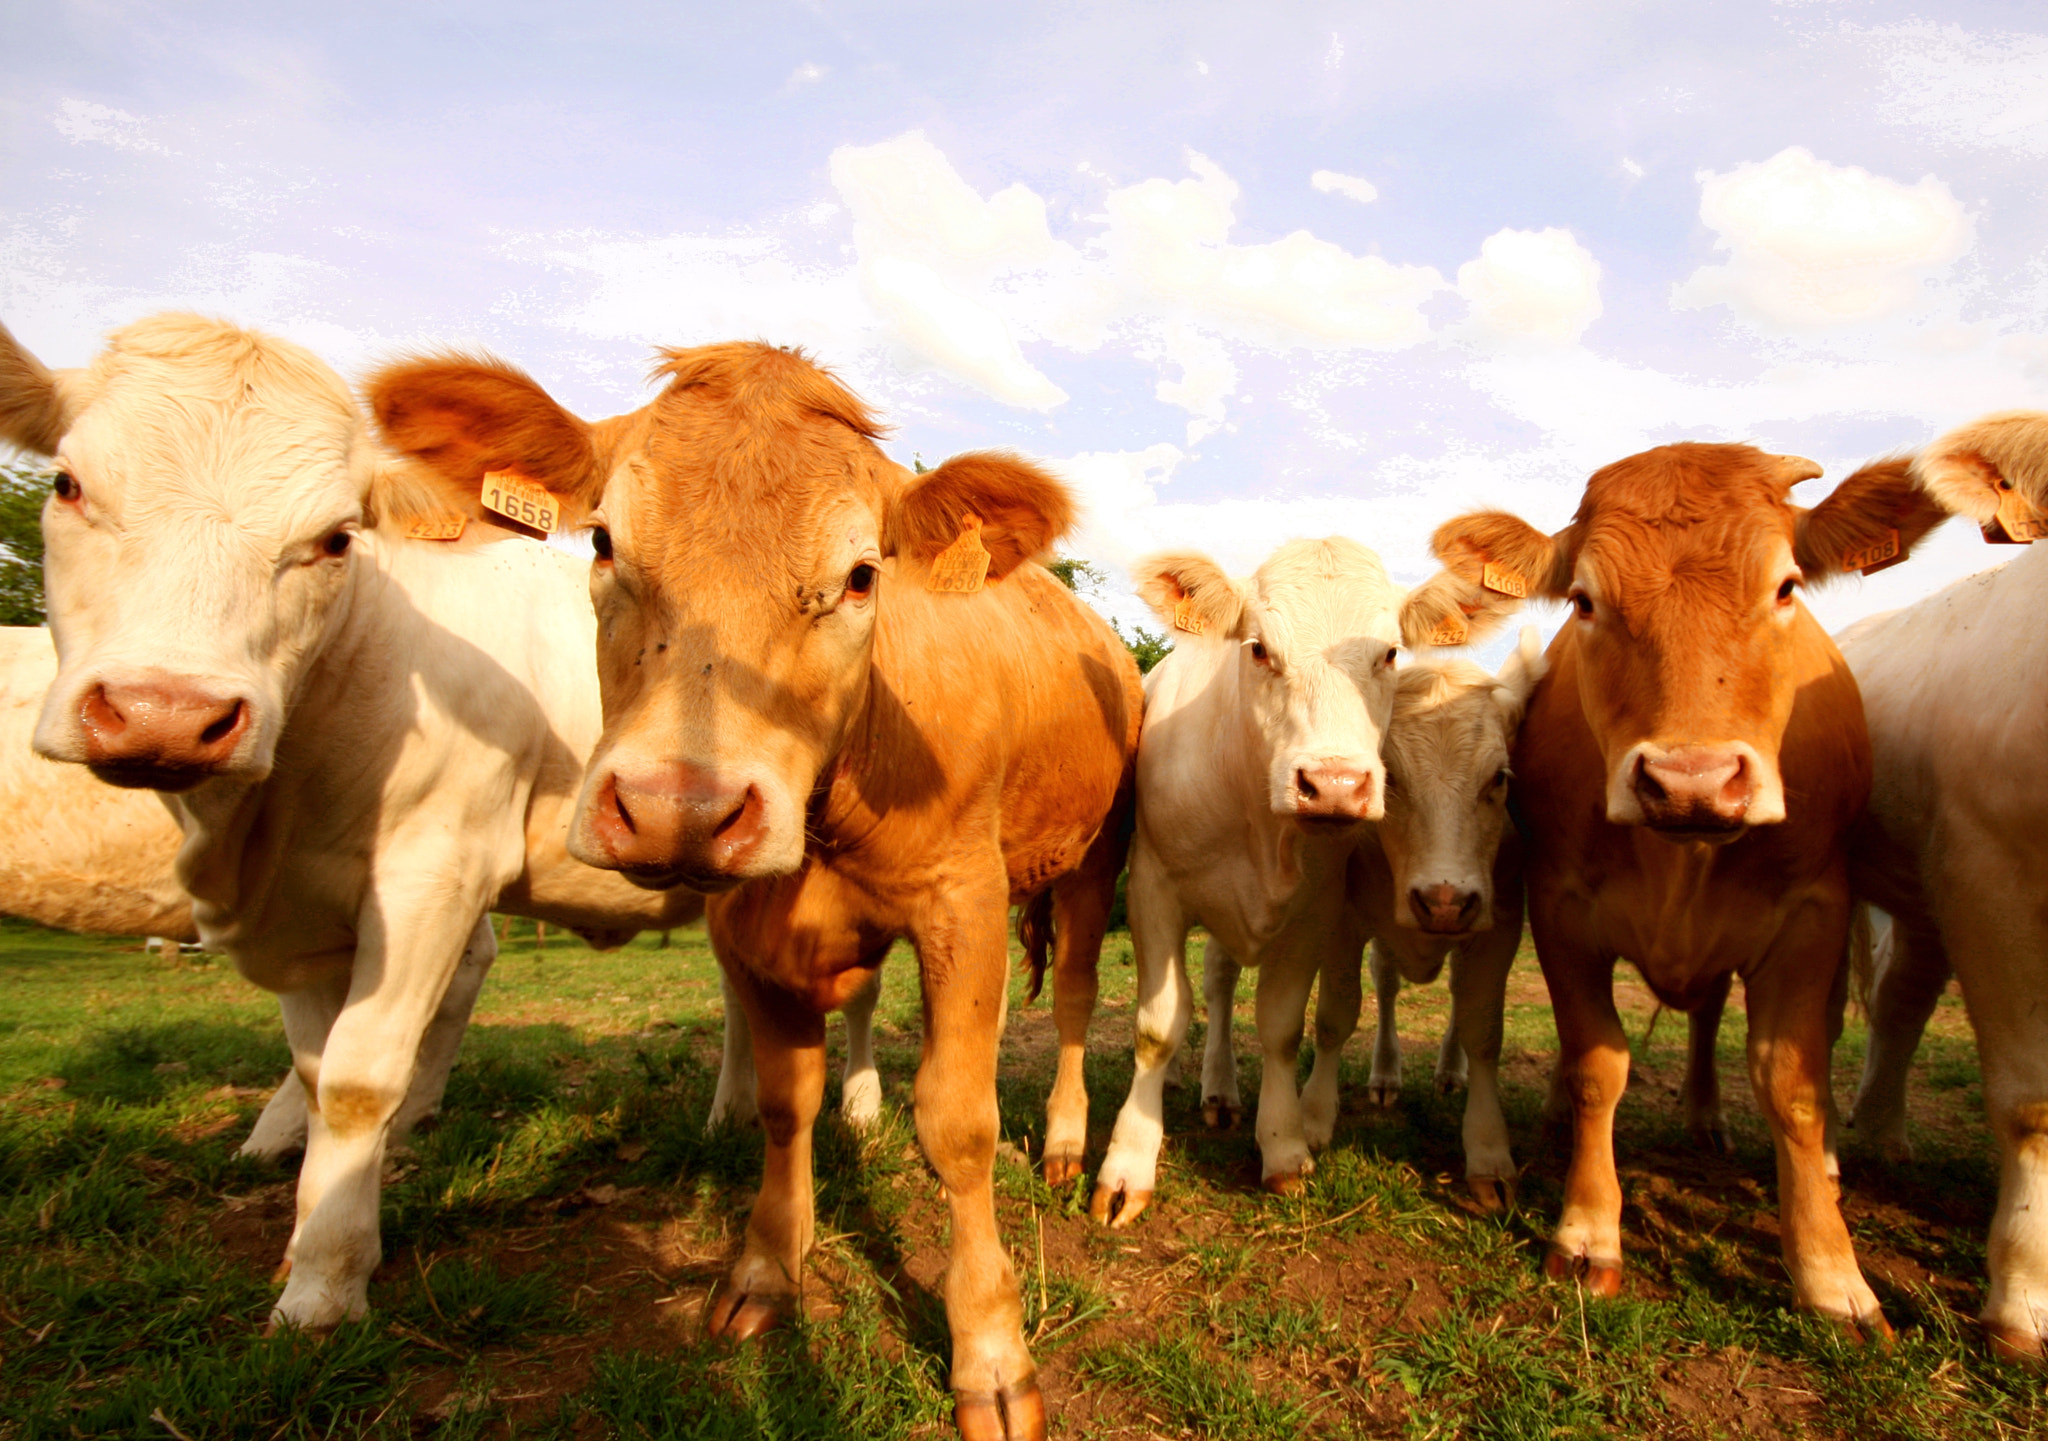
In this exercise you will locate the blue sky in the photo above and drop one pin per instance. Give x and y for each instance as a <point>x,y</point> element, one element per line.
<point>1240,272</point>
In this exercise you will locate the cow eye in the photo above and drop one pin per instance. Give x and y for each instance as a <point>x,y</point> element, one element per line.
<point>1583,604</point>
<point>1391,653</point>
<point>64,486</point>
<point>860,581</point>
<point>1259,652</point>
<point>1786,587</point>
<point>337,543</point>
<point>601,542</point>
<point>1500,777</point>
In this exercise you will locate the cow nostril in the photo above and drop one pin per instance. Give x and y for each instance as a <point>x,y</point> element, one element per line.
<point>1468,912</point>
<point>749,801</point>
<point>609,799</point>
<point>1304,787</point>
<point>222,728</point>
<point>99,713</point>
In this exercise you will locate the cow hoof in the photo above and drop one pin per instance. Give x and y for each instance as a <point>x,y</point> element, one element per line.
<point>1870,1330</point>
<point>1219,1114</point>
<point>1285,1183</point>
<point>283,1273</point>
<point>1602,1279</point>
<point>1015,1413</point>
<point>742,1315</point>
<point>1712,1139</point>
<point>1493,1193</point>
<point>1062,1168</point>
<point>1116,1207</point>
<point>1446,1083</point>
<point>1384,1094</point>
<point>2013,1344</point>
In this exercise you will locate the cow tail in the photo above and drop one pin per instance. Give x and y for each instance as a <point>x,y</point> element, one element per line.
<point>1862,957</point>
<point>1034,933</point>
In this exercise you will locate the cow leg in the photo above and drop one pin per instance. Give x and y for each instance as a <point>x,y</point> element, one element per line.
<point>1453,1066</point>
<point>789,1072</point>
<point>1221,1102</point>
<point>1129,1174</point>
<point>1338,999</point>
<point>964,956</point>
<point>1592,1072</point>
<point>735,1098</point>
<point>406,958</point>
<point>1282,1000</point>
<point>1703,1118</point>
<point>281,1129</point>
<point>1081,903</point>
<point>1383,1086</point>
<point>443,1040</point>
<point>860,1088</point>
<point>1788,1071</point>
<point>1908,973</point>
<point>1479,985</point>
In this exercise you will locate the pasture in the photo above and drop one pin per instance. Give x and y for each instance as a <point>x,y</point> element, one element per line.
<point>551,1242</point>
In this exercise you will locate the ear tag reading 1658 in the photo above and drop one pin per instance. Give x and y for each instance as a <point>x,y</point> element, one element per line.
<point>441,525</point>
<point>2017,521</point>
<point>962,566</point>
<point>516,498</point>
<point>1881,554</point>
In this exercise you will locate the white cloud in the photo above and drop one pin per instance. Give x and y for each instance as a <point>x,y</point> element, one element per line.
<point>954,332</point>
<point>1330,182</point>
<point>808,73</point>
<point>1207,379</point>
<point>1532,284</point>
<point>1813,245</point>
<point>84,123</point>
<point>1981,92</point>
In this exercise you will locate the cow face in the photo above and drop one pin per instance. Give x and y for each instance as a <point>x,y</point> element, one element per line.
<point>1447,786</point>
<point>207,489</point>
<point>1315,635</point>
<point>1683,568</point>
<point>748,533</point>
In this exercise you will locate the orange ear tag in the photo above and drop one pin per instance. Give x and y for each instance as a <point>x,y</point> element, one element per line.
<point>961,567</point>
<point>1451,630</point>
<point>2017,521</point>
<point>1187,618</point>
<point>518,499</point>
<point>1504,580</point>
<point>441,525</point>
<point>1881,554</point>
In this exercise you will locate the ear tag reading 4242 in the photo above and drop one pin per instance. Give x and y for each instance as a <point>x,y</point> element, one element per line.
<point>518,499</point>
<point>1451,630</point>
<point>961,567</point>
<point>2017,521</point>
<point>1881,554</point>
<point>1187,618</point>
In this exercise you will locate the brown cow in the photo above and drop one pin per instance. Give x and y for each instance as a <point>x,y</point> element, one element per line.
<point>1689,768</point>
<point>818,709</point>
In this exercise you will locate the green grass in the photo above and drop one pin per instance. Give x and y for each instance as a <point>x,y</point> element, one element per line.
<point>551,1241</point>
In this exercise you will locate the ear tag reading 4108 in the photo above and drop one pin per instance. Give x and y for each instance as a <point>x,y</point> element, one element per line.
<point>961,567</point>
<point>518,499</point>
<point>1881,554</point>
<point>1504,580</point>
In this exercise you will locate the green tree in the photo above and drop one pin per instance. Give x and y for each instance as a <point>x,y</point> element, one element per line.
<point>1147,647</point>
<point>22,490</point>
<point>1081,577</point>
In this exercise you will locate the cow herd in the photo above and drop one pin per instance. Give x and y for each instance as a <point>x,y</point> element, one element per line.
<point>828,705</point>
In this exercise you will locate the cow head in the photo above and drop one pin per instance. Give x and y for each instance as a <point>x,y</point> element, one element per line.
<point>747,532</point>
<point>207,486</point>
<point>1682,568</point>
<point>1315,633</point>
<point>1976,469</point>
<point>1447,785</point>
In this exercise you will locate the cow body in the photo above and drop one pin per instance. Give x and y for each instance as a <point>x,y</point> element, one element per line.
<point>366,740</point>
<point>812,712</point>
<point>1689,769</point>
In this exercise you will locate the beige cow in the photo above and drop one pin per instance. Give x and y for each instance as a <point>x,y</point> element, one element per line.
<point>367,739</point>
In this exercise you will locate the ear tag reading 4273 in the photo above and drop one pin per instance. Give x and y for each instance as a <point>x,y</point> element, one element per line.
<point>2017,521</point>
<point>441,525</point>
<point>518,499</point>
<point>962,567</point>
<point>1881,554</point>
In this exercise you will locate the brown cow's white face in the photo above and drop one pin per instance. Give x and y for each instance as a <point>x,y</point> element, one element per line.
<point>1447,786</point>
<point>200,528</point>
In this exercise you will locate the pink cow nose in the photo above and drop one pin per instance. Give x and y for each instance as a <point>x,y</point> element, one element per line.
<point>678,825</point>
<point>1444,909</point>
<point>160,734</point>
<point>1695,789</point>
<point>1335,794</point>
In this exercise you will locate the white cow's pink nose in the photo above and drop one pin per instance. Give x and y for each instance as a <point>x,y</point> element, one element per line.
<point>161,733</point>
<point>1331,791</point>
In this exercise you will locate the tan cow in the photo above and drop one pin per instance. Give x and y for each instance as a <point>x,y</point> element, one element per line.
<point>367,739</point>
<point>844,699</point>
<point>1689,770</point>
<point>1259,764</point>
<point>1955,842</point>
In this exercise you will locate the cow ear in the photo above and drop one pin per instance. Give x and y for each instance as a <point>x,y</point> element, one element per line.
<point>1517,679</point>
<point>1022,509</point>
<point>460,417</point>
<point>1492,562</point>
<point>1874,517</point>
<point>1968,470</point>
<point>1191,593</point>
<point>37,405</point>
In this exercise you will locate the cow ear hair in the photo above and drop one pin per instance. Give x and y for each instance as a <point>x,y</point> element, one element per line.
<point>1487,557</point>
<point>1518,675</point>
<point>1964,468</point>
<point>459,417</point>
<point>1859,518</point>
<point>37,405</point>
<point>1190,592</point>
<point>1022,509</point>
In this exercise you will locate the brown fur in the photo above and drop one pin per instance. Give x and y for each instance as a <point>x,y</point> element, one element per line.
<point>33,412</point>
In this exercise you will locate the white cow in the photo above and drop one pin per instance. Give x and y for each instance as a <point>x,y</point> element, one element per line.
<point>1439,877</point>
<point>367,740</point>
<point>1955,844</point>
<point>1259,760</point>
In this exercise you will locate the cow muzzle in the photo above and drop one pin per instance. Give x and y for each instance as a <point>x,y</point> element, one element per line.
<point>1331,795</point>
<point>160,733</point>
<point>1446,910</point>
<point>1704,793</point>
<point>676,825</point>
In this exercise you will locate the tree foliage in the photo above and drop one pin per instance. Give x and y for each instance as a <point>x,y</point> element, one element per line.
<point>1081,577</point>
<point>22,490</point>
